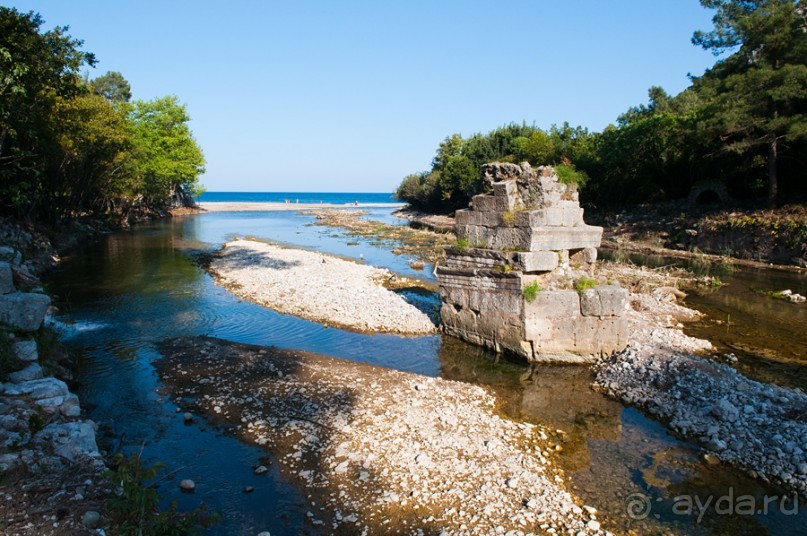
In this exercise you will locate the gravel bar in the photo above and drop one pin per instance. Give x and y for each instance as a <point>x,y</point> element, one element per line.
<point>317,287</point>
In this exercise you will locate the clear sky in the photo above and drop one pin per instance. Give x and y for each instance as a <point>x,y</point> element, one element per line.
<point>333,95</point>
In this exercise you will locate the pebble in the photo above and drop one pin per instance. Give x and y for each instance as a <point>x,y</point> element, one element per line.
<point>187,485</point>
<point>355,298</point>
<point>188,417</point>
<point>261,469</point>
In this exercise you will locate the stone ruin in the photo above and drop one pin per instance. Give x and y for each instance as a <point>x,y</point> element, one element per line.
<point>528,230</point>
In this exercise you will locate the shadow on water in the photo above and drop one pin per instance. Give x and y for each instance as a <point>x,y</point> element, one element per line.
<point>124,295</point>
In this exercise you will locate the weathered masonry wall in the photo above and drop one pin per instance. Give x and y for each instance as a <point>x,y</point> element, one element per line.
<point>525,232</point>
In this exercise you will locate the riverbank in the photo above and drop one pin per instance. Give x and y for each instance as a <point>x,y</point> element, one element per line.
<point>379,450</point>
<point>51,471</point>
<point>318,287</point>
<point>755,238</point>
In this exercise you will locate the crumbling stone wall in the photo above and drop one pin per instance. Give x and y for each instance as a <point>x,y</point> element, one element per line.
<point>525,229</point>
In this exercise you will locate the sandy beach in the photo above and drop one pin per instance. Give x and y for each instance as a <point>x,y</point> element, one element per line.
<point>226,206</point>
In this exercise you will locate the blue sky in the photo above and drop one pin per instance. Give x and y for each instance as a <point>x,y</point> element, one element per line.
<point>354,95</point>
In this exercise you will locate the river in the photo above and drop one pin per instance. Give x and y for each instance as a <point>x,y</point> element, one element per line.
<point>121,295</point>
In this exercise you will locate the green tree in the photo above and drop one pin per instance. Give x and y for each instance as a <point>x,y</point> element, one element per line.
<point>113,87</point>
<point>168,158</point>
<point>36,69</point>
<point>759,93</point>
<point>94,171</point>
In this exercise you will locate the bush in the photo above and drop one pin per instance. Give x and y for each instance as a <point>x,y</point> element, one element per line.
<point>530,291</point>
<point>584,283</point>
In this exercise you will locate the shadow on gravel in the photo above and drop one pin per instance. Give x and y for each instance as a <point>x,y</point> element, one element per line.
<point>272,398</point>
<point>249,259</point>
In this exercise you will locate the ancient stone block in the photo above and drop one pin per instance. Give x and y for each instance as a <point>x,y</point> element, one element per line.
<point>551,335</point>
<point>553,304</point>
<point>506,195</point>
<point>607,300</point>
<point>600,336</point>
<point>537,261</point>
<point>554,216</point>
<point>6,278</point>
<point>572,217</point>
<point>22,310</point>
<point>559,238</point>
<point>512,238</point>
<point>530,218</point>
<point>474,217</point>
<point>454,295</point>
<point>484,203</point>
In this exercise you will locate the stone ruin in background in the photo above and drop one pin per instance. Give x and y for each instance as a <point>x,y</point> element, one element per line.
<point>530,230</point>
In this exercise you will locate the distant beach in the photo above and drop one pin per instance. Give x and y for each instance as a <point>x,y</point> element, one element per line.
<point>271,201</point>
<point>242,206</point>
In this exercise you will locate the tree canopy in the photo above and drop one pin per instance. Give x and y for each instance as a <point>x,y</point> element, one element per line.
<point>70,146</point>
<point>744,122</point>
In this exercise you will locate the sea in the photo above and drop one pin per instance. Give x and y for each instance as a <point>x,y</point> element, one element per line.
<point>336,198</point>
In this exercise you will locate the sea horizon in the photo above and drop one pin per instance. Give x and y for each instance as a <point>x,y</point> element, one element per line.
<point>334,198</point>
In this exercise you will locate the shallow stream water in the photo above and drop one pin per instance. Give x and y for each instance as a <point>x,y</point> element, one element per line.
<point>122,295</point>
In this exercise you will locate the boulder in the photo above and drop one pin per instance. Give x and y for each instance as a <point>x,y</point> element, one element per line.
<point>10,255</point>
<point>23,310</point>
<point>71,440</point>
<point>25,351</point>
<point>31,372</point>
<point>38,389</point>
<point>6,278</point>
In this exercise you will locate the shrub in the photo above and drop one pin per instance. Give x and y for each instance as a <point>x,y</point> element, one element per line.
<point>584,283</point>
<point>530,291</point>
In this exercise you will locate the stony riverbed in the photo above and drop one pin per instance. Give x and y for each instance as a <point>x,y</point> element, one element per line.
<point>379,450</point>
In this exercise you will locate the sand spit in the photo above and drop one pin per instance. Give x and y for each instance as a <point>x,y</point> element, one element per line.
<point>378,450</point>
<point>317,287</point>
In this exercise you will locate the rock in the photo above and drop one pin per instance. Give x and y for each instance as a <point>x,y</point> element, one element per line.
<point>593,525</point>
<point>91,519</point>
<point>70,406</point>
<point>188,418</point>
<point>711,459</point>
<point>249,489</point>
<point>10,255</point>
<point>187,485</point>
<point>264,533</point>
<point>261,470</point>
<point>38,389</point>
<point>6,278</point>
<point>25,351</point>
<point>31,372</point>
<point>725,410</point>
<point>23,310</point>
<point>71,440</point>
<point>511,483</point>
